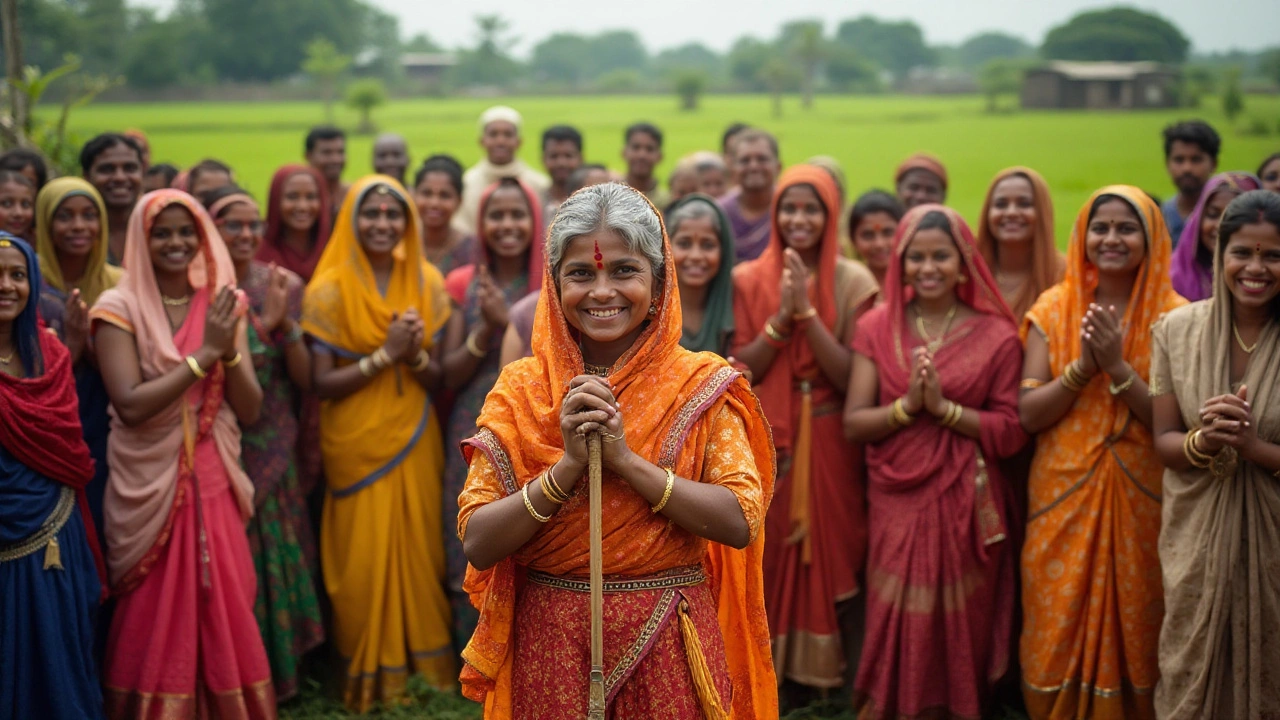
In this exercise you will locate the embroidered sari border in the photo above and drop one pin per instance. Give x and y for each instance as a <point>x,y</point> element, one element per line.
<point>686,576</point>
<point>708,393</point>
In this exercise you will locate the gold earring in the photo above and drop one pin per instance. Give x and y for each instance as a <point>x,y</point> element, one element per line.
<point>653,309</point>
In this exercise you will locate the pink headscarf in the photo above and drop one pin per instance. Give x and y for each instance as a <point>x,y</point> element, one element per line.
<point>144,458</point>
<point>1192,278</point>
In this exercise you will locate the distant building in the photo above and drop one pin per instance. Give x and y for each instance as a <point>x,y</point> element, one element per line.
<point>426,68</point>
<point>1101,86</point>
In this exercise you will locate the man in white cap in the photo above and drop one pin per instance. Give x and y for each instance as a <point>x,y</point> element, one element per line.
<point>500,138</point>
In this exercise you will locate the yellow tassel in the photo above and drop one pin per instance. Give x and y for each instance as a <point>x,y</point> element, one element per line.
<point>708,696</point>
<point>52,555</point>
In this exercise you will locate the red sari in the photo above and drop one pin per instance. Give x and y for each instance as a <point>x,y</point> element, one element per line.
<point>940,567</point>
<point>815,530</point>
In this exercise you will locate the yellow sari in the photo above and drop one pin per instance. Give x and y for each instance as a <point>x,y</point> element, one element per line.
<point>381,539</point>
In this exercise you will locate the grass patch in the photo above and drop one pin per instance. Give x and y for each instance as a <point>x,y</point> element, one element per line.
<point>1076,151</point>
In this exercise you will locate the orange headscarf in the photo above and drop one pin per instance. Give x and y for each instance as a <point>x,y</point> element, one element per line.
<point>1152,295</point>
<point>757,296</point>
<point>1047,264</point>
<point>672,396</point>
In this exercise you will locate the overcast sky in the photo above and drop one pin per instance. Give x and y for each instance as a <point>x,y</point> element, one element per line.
<point>1211,26</point>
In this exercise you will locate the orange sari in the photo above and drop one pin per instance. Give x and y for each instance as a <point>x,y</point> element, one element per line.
<point>1092,593</point>
<point>675,400</point>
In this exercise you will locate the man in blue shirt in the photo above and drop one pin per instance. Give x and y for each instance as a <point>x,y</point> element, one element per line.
<point>1190,155</point>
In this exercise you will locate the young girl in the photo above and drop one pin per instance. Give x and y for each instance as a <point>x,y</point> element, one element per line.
<point>17,204</point>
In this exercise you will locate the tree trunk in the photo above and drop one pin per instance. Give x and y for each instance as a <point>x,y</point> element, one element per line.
<point>777,103</point>
<point>806,100</point>
<point>13,64</point>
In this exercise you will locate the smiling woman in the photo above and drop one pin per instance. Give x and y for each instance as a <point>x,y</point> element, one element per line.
<point>508,267</point>
<point>183,639</point>
<point>1091,586</point>
<point>373,312</point>
<point>1215,375</point>
<point>687,479</point>
<point>50,566</point>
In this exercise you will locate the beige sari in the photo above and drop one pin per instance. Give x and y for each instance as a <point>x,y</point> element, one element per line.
<point>1220,540</point>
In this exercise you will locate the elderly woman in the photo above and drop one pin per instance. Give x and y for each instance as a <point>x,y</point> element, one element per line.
<point>688,471</point>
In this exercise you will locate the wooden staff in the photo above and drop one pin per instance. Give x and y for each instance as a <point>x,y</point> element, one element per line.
<point>595,704</point>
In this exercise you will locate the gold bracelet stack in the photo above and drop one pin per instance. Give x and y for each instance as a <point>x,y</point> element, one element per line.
<point>374,363</point>
<point>233,361</point>
<point>195,367</point>
<point>666,494</point>
<point>898,415</point>
<point>1195,455</point>
<point>473,346</point>
<point>421,362</point>
<point>552,489</point>
<point>524,491</point>
<point>1128,383</point>
<point>951,418</point>
<point>1073,378</point>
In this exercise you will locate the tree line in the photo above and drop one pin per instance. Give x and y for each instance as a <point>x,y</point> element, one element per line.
<point>205,42</point>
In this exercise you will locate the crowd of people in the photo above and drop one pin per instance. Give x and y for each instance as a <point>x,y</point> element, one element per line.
<point>868,446</point>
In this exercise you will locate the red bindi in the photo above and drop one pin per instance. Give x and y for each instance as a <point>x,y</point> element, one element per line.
<point>599,257</point>
<point>382,208</point>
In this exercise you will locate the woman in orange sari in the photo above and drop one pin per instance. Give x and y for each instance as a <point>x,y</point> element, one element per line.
<point>1015,237</point>
<point>171,343</point>
<point>934,395</point>
<point>795,308</point>
<point>1092,595</point>
<point>687,479</point>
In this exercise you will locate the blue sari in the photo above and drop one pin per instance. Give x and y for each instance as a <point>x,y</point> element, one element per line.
<point>46,616</point>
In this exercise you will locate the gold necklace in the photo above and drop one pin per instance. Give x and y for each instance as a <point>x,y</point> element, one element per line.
<point>931,343</point>
<point>1246,348</point>
<point>598,370</point>
<point>175,302</point>
<point>8,359</point>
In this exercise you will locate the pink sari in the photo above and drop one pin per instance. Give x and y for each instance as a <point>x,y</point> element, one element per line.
<point>940,565</point>
<point>184,641</point>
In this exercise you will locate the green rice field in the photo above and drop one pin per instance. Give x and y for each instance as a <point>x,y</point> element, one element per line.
<point>1077,152</point>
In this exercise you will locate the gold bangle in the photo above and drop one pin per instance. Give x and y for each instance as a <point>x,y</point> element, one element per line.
<point>1031,383</point>
<point>474,348</point>
<point>1128,383</point>
<point>801,317</point>
<point>381,359</point>
<point>422,362</point>
<point>774,333</point>
<point>666,495</point>
<point>1195,456</point>
<point>552,489</point>
<point>900,415</point>
<point>195,367</point>
<point>529,506</point>
<point>955,411</point>
<point>233,361</point>
<point>366,367</point>
<point>1071,379</point>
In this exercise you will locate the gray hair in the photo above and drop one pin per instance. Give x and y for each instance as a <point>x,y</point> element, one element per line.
<point>696,209</point>
<point>611,206</point>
